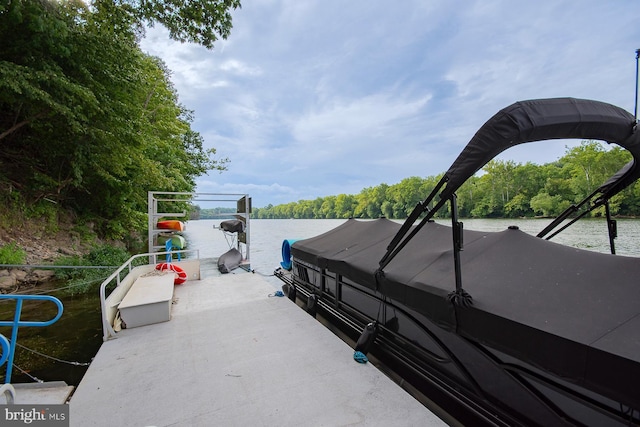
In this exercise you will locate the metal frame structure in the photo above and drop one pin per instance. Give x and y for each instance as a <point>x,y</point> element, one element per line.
<point>242,201</point>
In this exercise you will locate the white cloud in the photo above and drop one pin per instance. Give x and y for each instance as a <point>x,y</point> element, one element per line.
<point>239,68</point>
<point>321,97</point>
<point>347,121</point>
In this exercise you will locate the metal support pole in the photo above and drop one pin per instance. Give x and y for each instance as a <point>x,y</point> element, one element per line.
<point>457,241</point>
<point>611,228</point>
<point>635,112</point>
<point>459,297</point>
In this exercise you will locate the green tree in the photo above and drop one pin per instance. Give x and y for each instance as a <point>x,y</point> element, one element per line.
<point>548,205</point>
<point>202,21</point>
<point>87,120</point>
<point>590,165</point>
<point>303,209</point>
<point>317,208</point>
<point>387,209</point>
<point>345,205</point>
<point>328,208</point>
<point>405,195</point>
<point>370,200</point>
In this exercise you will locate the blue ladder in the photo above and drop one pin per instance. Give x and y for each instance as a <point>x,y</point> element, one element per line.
<point>9,347</point>
<point>168,248</point>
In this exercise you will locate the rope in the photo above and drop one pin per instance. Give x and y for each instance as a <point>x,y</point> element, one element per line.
<point>36,379</point>
<point>53,358</point>
<point>48,291</point>
<point>276,294</point>
<point>359,357</point>
<point>262,274</point>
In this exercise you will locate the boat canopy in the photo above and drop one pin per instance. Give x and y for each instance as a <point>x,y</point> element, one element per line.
<point>545,119</point>
<point>529,121</point>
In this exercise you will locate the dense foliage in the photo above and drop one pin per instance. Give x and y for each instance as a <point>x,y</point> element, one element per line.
<point>82,280</point>
<point>504,189</point>
<point>88,122</point>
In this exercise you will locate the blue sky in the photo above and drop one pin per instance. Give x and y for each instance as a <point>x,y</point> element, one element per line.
<point>321,97</point>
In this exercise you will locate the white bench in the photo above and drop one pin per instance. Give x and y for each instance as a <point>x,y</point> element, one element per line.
<point>148,301</point>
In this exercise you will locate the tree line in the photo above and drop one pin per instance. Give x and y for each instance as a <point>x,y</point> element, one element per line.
<point>88,121</point>
<point>504,189</point>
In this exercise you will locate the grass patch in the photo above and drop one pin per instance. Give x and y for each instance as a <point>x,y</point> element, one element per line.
<point>12,254</point>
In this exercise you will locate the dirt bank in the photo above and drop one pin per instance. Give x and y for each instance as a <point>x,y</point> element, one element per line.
<point>42,246</point>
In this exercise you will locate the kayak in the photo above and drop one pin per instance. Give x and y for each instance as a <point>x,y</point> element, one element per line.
<point>177,241</point>
<point>171,224</point>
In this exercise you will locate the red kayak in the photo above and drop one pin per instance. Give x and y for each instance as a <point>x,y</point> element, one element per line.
<point>171,224</point>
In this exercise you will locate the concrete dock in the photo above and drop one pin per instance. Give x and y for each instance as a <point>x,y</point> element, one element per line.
<point>233,356</point>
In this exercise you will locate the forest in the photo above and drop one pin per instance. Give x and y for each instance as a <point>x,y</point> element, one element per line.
<point>503,189</point>
<point>88,121</point>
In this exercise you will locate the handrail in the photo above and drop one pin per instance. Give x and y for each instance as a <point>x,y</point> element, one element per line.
<point>6,347</point>
<point>107,328</point>
<point>16,323</point>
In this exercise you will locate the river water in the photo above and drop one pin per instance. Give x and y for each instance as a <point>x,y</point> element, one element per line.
<point>77,336</point>
<point>267,235</point>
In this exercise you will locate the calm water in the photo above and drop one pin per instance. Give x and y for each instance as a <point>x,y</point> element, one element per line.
<point>267,235</point>
<point>78,334</point>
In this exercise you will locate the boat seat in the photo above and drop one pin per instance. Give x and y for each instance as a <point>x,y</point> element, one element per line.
<point>169,247</point>
<point>148,300</point>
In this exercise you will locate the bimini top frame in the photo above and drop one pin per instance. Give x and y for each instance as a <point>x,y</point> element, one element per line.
<point>522,122</point>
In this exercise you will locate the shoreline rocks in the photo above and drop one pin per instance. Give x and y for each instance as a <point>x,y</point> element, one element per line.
<point>17,278</point>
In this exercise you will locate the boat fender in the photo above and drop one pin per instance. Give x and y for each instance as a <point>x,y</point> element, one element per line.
<point>368,336</point>
<point>289,291</point>
<point>359,357</point>
<point>286,253</point>
<point>312,304</point>
<point>181,276</point>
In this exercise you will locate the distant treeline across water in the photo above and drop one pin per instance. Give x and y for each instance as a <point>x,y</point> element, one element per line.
<point>503,189</point>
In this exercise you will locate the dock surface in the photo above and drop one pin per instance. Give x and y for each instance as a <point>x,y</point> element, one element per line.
<point>233,356</point>
<point>53,392</point>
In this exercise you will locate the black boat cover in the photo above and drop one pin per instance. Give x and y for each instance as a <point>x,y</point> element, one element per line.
<point>229,260</point>
<point>571,312</point>
<point>544,119</point>
<point>232,225</point>
<point>568,311</point>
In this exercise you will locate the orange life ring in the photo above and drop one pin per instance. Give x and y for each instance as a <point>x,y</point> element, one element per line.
<point>181,276</point>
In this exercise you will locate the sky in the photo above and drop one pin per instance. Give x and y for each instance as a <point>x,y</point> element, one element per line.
<point>315,98</point>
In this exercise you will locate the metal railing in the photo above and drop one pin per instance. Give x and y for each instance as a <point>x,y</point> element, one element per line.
<point>107,327</point>
<point>9,347</point>
<point>6,390</point>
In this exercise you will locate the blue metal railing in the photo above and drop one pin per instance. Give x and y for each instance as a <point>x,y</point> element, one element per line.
<point>6,348</point>
<point>9,348</point>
